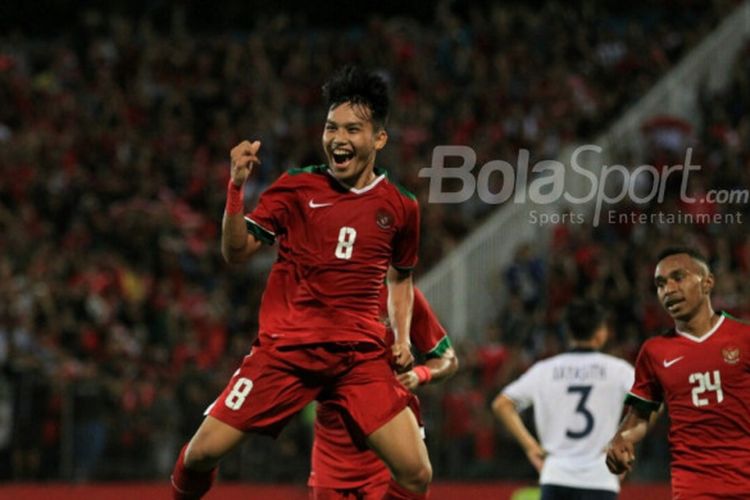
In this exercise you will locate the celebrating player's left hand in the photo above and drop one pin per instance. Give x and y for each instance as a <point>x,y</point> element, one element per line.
<point>402,356</point>
<point>410,379</point>
<point>244,155</point>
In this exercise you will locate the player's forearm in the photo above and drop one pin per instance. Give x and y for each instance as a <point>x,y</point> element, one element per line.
<point>433,370</point>
<point>400,303</point>
<point>236,244</point>
<point>621,449</point>
<point>443,367</point>
<point>505,410</point>
<point>634,426</point>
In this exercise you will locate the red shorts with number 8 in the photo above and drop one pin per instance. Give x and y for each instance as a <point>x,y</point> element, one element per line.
<point>274,383</point>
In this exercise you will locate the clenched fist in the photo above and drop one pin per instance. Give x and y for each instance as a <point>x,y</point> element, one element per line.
<point>243,156</point>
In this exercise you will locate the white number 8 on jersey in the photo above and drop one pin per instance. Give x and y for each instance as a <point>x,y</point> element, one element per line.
<point>344,249</point>
<point>239,392</point>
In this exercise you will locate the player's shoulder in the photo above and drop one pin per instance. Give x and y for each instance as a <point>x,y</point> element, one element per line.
<point>735,323</point>
<point>665,336</point>
<point>659,342</point>
<point>546,364</point>
<point>300,175</point>
<point>398,190</point>
<point>308,170</point>
<point>583,357</point>
<point>616,362</point>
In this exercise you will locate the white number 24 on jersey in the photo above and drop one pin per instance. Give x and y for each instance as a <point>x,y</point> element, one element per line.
<point>706,381</point>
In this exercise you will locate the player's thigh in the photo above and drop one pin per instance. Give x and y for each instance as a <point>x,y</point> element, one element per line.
<point>369,393</point>
<point>264,393</point>
<point>399,443</point>
<point>556,492</point>
<point>376,403</point>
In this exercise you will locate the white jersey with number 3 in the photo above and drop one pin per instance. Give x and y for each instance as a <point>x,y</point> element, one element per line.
<point>578,399</point>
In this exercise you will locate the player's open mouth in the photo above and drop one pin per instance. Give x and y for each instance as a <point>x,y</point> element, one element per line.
<point>342,157</point>
<point>671,304</point>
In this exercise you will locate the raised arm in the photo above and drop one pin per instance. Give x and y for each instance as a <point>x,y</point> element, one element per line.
<point>400,304</point>
<point>505,410</point>
<point>237,245</point>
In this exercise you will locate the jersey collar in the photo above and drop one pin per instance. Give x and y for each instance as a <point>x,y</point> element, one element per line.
<point>704,337</point>
<point>368,187</point>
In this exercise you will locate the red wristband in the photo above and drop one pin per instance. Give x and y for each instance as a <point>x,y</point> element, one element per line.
<point>424,374</point>
<point>235,201</point>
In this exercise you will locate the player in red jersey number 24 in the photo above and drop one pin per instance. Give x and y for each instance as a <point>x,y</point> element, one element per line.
<point>700,370</point>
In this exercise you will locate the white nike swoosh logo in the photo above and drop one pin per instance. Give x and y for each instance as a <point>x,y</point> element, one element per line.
<point>669,363</point>
<point>312,204</point>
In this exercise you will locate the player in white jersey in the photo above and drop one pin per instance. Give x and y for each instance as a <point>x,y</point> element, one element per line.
<point>578,399</point>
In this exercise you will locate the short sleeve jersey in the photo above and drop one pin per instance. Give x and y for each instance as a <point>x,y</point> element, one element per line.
<point>333,445</point>
<point>427,334</point>
<point>705,384</point>
<point>578,401</point>
<point>334,247</point>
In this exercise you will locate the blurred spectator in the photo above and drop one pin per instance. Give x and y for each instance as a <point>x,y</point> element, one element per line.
<point>525,277</point>
<point>90,401</point>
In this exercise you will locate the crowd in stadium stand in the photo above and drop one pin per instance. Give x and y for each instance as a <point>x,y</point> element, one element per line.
<point>119,321</point>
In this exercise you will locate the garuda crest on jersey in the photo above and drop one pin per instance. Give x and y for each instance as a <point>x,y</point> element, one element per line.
<point>384,219</point>
<point>731,354</point>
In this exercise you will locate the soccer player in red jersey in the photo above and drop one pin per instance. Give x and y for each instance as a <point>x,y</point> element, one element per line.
<point>342,229</point>
<point>701,371</point>
<point>342,468</point>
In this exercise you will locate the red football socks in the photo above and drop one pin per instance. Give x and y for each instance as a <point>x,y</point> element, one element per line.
<point>398,492</point>
<point>188,484</point>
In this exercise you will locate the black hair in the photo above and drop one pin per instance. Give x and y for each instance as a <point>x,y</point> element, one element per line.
<point>692,252</point>
<point>583,318</point>
<point>365,88</point>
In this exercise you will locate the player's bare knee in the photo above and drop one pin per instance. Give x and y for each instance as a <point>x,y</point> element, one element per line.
<point>416,477</point>
<point>198,456</point>
<point>423,477</point>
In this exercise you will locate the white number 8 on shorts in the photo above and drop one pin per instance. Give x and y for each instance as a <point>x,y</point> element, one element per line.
<point>241,389</point>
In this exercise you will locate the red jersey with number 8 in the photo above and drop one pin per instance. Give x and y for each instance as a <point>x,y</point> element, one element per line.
<point>705,383</point>
<point>334,247</point>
